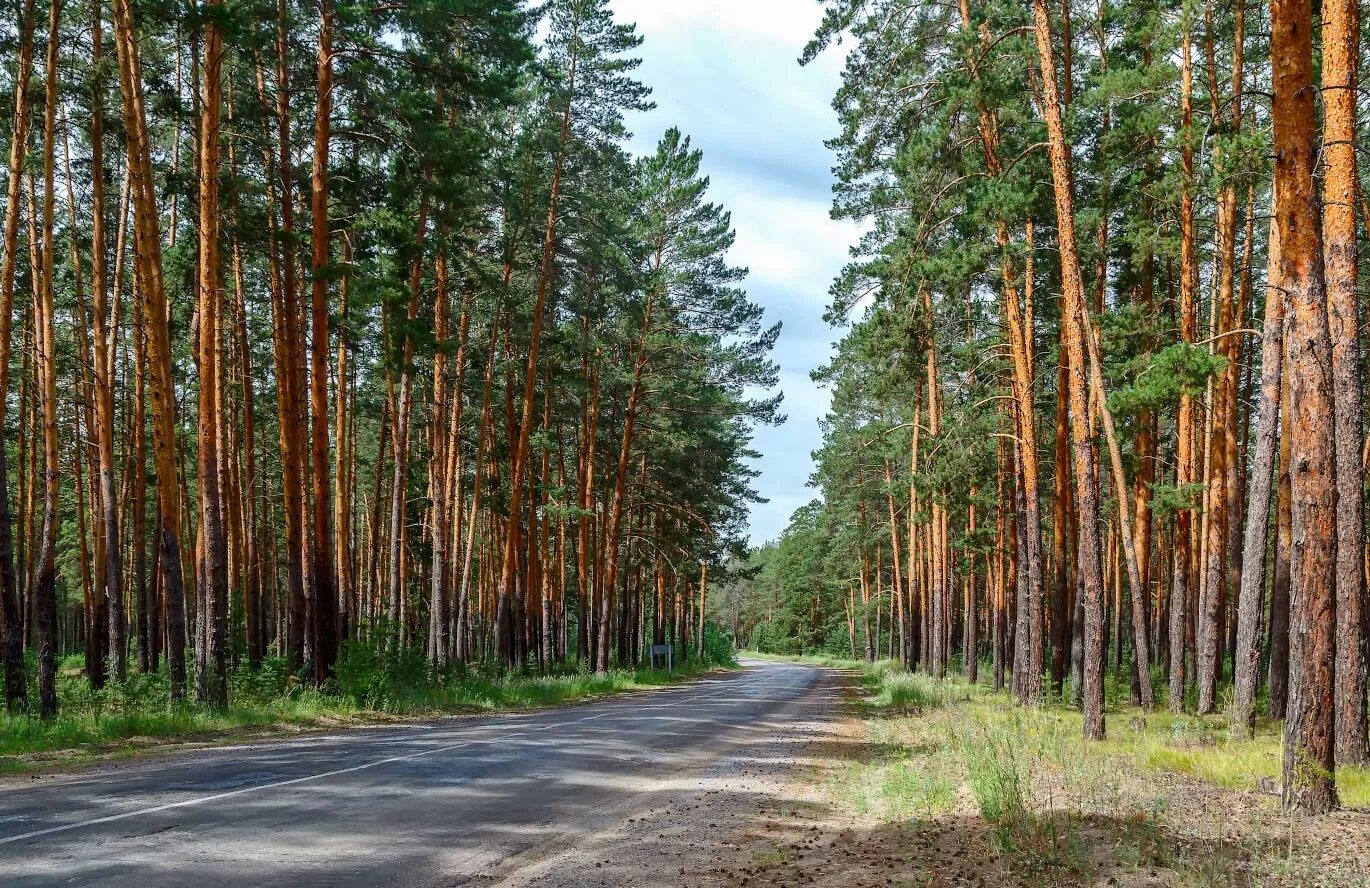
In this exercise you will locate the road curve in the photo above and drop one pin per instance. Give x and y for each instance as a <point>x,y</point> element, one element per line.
<point>448,802</point>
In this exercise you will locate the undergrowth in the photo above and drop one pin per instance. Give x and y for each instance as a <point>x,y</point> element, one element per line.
<point>1060,810</point>
<point>369,685</point>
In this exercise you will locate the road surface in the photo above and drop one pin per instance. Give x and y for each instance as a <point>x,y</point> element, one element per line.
<point>464,801</point>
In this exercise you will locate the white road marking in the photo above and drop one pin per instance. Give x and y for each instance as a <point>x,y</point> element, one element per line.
<point>201,800</point>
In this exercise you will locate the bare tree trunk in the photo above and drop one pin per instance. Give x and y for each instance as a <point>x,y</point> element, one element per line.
<point>519,457</point>
<point>620,478</point>
<point>1063,537</point>
<point>45,336</point>
<point>1184,459</point>
<point>344,476</point>
<point>443,445</point>
<point>148,267</point>
<point>288,340</point>
<point>104,367</point>
<point>1279,585</point>
<point>211,678</point>
<point>1140,648</point>
<point>400,479</point>
<point>483,431</point>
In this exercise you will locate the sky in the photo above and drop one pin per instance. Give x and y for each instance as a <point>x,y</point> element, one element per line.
<point>725,73</point>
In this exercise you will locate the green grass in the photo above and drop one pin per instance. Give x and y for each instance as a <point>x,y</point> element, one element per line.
<point>123,717</point>
<point>911,692</point>
<point>1202,747</point>
<point>818,660</point>
<point>996,772</point>
<point>1061,809</point>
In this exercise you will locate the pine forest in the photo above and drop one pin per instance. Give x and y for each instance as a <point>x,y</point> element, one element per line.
<point>702,443</point>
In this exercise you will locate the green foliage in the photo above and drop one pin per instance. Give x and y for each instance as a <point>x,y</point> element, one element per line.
<point>767,638</point>
<point>718,646</point>
<point>1170,498</point>
<point>381,677</point>
<point>1181,368</point>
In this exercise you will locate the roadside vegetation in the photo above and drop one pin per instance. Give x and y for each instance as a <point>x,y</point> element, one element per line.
<point>1164,800</point>
<point>124,716</point>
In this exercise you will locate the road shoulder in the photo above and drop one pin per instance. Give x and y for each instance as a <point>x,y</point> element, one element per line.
<point>713,828</point>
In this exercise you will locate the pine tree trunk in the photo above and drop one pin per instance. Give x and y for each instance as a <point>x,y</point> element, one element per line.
<point>1063,537</point>
<point>152,294</point>
<point>11,612</point>
<point>325,592</point>
<point>288,341</point>
<point>253,617</point>
<point>443,445</point>
<point>104,369</point>
<point>344,477</point>
<point>1073,288</point>
<point>483,433</point>
<point>1181,586</point>
<point>1340,59</point>
<point>1278,677</point>
<point>1220,474</point>
<point>1136,590</point>
<point>896,563</point>
<point>92,562</point>
<point>1251,609</point>
<point>399,482</point>
<point>45,353</point>
<point>212,577</point>
<point>1308,748</point>
<point>621,477</point>
<point>519,456</point>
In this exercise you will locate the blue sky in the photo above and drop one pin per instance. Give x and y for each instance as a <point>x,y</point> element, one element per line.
<point>725,72</point>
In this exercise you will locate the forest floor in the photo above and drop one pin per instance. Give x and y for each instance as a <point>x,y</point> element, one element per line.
<point>915,783</point>
<point>122,720</point>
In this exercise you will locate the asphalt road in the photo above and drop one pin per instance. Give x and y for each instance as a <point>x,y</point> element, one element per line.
<point>449,802</point>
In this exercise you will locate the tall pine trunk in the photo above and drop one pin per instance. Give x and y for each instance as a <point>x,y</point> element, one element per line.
<point>325,597</point>
<point>211,678</point>
<point>1340,58</point>
<point>11,614</point>
<point>43,592</point>
<point>1308,747</point>
<point>1086,496</point>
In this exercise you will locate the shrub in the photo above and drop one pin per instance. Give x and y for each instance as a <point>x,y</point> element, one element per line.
<point>718,646</point>
<point>376,676</point>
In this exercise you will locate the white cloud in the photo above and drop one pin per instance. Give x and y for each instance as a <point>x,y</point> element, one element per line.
<point>725,73</point>
<point>790,22</point>
<point>790,242</point>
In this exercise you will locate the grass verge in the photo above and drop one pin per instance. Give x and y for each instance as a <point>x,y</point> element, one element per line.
<point>1165,800</point>
<point>122,718</point>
